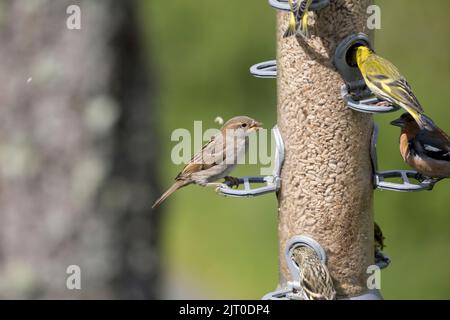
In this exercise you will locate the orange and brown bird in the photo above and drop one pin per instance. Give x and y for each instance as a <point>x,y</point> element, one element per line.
<point>425,150</point>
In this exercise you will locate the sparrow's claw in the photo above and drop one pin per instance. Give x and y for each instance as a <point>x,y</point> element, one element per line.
<point>232,182</point>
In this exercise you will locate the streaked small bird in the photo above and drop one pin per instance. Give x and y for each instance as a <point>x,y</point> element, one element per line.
<point>298,17</point>
<point>315,279</point>
<point>386,83</point>
<point>217,158</point>
<point>425,150</point>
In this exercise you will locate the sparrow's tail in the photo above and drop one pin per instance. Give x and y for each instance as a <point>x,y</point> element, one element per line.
<point>177,185</point>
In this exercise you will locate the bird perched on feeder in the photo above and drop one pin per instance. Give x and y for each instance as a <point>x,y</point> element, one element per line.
<point>217,158</point>
<point>298,17</point>
<point>386,82</point>
<point>315,279</point>
<point>426,150</point>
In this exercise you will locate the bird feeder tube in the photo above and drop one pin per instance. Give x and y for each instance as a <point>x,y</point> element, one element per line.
<point>326,181</point>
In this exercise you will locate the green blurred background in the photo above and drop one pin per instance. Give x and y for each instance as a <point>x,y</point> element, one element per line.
<point>217,247</point>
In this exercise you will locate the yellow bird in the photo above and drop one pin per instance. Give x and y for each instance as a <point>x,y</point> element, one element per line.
<point>298,17</point>
<point>386,82</point>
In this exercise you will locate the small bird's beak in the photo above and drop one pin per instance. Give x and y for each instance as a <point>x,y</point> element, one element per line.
<point>256,125</point>
<point>398,123</point>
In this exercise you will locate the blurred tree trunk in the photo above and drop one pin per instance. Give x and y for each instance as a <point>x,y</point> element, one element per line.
<point>77,159</point>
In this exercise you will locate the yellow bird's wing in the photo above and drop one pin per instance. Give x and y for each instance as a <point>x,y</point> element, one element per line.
<point>383,78</point>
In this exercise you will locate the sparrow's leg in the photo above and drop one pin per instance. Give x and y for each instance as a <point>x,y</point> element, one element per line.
<point>232,181</point>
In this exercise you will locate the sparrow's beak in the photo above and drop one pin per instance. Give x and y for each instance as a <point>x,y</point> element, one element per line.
<point>398,123</point>
<point>256,125</point>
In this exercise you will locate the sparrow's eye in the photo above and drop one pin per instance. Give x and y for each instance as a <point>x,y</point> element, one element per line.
<point>243,125</point>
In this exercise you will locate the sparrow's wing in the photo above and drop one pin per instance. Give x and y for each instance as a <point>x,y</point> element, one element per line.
<point>385,76</point>
<point>435,144</point>
<point>212,153</point>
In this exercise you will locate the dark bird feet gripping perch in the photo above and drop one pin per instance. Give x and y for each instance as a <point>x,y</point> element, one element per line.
<point>232,182</point>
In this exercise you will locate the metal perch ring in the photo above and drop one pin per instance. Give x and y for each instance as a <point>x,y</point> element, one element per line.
<point>266,69</point>
<point>283,5</point>
<point>405,175</point>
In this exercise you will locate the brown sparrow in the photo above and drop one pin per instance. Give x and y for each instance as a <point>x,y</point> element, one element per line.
<point>217,158</point>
